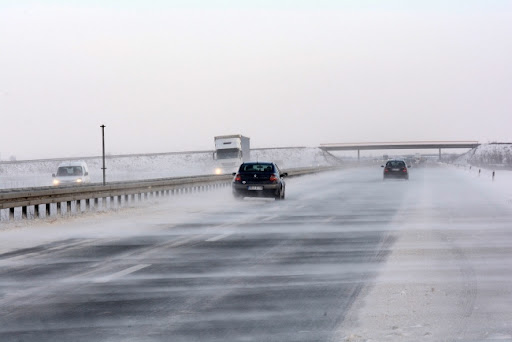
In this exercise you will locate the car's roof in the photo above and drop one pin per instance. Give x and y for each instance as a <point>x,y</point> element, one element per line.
<point>258,163</point>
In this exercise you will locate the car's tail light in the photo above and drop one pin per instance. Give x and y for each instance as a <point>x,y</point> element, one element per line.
<point>238,178</point>
<point>273,178</point>
<point>404,169</point>
<point>386,170</point>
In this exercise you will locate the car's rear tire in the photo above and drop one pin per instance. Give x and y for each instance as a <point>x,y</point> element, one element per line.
<point>280,196</point>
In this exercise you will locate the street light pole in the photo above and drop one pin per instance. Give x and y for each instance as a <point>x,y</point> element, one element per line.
<point>103,140</point>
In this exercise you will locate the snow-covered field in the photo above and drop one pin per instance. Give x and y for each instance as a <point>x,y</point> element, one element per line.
<point>136,167</point>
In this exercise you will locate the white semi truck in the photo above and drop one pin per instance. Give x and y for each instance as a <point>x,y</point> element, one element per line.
<point>230,152</point>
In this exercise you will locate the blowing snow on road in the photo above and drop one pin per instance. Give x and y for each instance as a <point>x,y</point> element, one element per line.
<point>347,257</point>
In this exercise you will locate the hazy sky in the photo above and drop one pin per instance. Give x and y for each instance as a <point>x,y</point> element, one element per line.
<point>169,75</point>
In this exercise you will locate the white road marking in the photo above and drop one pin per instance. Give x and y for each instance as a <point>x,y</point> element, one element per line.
<point>218,237</point>
<point>182,241</point>
<point>78,243</point>
<point>20,257</point>
<point>498,336</point>
<point>268,218</point>
<point>121,273</point>
<point>329,219</point>
<point>35,254</point>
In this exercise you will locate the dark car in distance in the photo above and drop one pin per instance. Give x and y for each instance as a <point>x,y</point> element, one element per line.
<point>259,179</point>
<point>395,168</point>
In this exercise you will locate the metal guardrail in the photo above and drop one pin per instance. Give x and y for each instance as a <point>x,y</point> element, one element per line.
<point>44,202</point>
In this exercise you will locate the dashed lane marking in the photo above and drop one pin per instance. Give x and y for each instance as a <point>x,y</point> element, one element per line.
<point>268,218</point>
<point>122,273</point>
<point>218,237</point>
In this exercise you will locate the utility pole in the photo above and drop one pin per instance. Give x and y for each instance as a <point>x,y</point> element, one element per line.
<point>103,140</point>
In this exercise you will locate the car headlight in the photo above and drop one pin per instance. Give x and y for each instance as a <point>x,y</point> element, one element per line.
<point>56,182</point>
<point>218,171</point>
<point>79,180</point>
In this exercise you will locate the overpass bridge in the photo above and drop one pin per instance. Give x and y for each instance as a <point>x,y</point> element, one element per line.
<point>401,145</point>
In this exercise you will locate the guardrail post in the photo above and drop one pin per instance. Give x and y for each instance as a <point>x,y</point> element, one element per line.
<point>493,173</point>
<point>479,170</point>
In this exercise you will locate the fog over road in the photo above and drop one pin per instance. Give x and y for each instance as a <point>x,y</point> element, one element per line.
<point>346,257</point>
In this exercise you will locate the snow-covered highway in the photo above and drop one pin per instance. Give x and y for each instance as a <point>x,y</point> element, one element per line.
<point>346,257</point>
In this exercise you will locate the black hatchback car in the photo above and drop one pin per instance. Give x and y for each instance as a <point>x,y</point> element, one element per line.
<point>395,169</point>
<point>259,179</point>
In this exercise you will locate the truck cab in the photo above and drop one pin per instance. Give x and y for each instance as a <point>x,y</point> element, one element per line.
<point>230,152</point>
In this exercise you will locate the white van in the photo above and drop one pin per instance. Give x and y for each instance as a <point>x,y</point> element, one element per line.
<point>74,172</point>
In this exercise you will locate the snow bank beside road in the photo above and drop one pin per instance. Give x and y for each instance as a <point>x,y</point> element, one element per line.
<point>492,155</point>
<point>482,178</point>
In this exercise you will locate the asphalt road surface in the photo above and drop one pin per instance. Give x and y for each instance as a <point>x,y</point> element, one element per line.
<point>346,257</point>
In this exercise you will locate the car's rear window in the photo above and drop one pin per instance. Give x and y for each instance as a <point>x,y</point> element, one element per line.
<point>395,163</point>
<point>256,168</point>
